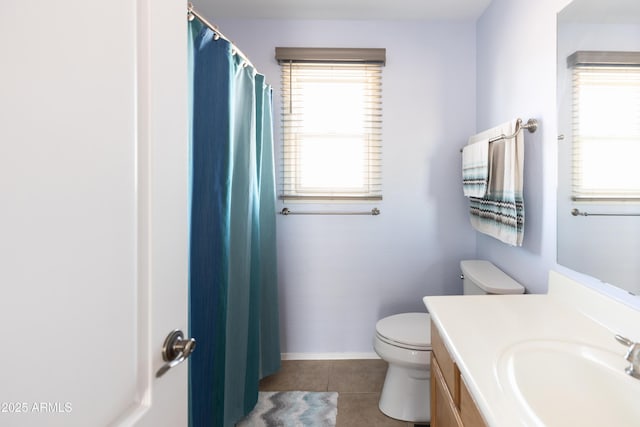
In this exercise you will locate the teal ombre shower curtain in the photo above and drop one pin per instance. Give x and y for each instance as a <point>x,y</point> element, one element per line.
<point>233,276</point>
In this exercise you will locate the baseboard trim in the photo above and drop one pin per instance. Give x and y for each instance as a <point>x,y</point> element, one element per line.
<point>328,356</point>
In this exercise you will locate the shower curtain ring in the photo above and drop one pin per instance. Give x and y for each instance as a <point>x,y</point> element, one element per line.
<point>190,15</point>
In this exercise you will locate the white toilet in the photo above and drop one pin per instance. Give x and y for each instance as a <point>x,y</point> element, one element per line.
<point>404,341</point>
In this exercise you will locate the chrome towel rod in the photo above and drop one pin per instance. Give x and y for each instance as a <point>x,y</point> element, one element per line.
<point>287,211</point>
<point>577,212</point>
<point>531,126</point>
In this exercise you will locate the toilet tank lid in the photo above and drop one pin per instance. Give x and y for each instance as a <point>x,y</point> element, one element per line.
<point>490,278</point>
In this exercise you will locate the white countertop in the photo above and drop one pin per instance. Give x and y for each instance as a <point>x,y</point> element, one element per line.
<point>478,329</point>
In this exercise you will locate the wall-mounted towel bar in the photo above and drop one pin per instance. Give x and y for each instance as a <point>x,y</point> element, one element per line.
<point>287,211</point>
<point>531,126</point>
<point>577,212</point>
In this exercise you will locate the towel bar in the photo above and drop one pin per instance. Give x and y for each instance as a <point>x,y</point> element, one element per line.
<point>287,211</point>
<point>577,212</point>
<point>531,126</point>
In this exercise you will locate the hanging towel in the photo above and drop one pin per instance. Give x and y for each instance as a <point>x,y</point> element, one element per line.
<point>500,213</point>
<point>475,167</point>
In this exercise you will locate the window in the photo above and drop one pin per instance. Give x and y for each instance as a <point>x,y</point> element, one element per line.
<point>332,121</point>
<point>606,126</point>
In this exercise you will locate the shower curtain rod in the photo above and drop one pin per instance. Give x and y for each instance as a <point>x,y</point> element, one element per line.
<point>192,13</point>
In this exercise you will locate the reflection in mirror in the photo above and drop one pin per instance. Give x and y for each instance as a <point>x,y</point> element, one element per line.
<point>599,140</point>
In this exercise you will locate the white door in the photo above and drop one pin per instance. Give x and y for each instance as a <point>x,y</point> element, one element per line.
<point>93,211</point>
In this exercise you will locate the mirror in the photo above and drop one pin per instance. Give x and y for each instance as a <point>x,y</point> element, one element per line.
<point>597,237</point>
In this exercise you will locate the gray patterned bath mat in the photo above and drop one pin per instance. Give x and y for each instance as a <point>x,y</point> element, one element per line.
<point>293,409</point>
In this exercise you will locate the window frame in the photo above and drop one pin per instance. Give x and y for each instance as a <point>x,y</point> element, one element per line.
<point>299,64</point>
<point>592,69</point>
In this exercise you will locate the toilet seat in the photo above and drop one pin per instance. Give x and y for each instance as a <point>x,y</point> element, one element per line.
<point>411,331</point>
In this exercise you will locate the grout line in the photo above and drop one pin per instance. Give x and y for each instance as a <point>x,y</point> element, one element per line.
<point>329,369</point>
<point>358,392</point>
<point>329,356</point>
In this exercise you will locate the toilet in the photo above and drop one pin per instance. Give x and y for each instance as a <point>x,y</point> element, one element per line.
<point>404,342</point>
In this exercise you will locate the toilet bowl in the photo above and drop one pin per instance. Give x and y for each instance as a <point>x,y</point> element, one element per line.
<point>404,342</point>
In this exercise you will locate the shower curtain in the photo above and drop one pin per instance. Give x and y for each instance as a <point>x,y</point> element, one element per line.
<point>232,276</point>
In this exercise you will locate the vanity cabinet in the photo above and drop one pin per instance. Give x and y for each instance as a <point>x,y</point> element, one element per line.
<point>451,402</point>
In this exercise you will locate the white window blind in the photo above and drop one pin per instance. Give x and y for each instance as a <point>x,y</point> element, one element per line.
<point>606,132</point>
<point>332,125</point>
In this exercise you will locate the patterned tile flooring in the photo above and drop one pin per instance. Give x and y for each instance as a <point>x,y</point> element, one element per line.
<point>358,382</point>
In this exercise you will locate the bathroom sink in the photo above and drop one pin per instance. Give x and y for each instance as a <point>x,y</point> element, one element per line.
<point>562,383</point>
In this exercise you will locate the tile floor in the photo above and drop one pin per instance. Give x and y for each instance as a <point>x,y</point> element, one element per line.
<point>358,382</point>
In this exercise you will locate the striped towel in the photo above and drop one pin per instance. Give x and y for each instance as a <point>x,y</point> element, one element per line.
<point>475,168</point>
<point>500,213</point>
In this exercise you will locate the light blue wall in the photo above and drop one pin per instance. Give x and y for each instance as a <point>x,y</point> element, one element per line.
<point>516,48</point>
<point>443,81</point>
<point>340,274</point>
<point>591,245</point>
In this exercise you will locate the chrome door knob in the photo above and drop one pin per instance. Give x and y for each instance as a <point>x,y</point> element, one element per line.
<point>175,350</point>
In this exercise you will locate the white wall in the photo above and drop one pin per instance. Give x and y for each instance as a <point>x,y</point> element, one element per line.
<point>340,274</point>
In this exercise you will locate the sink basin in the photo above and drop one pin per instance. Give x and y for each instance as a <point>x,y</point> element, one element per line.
<point>561,383</point>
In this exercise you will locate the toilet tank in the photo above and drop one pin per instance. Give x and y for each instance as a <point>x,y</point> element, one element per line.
<point>482,278</point>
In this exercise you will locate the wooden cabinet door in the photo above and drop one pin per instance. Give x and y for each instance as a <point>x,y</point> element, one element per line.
<point>444,412</point>
<point>469,412</point>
